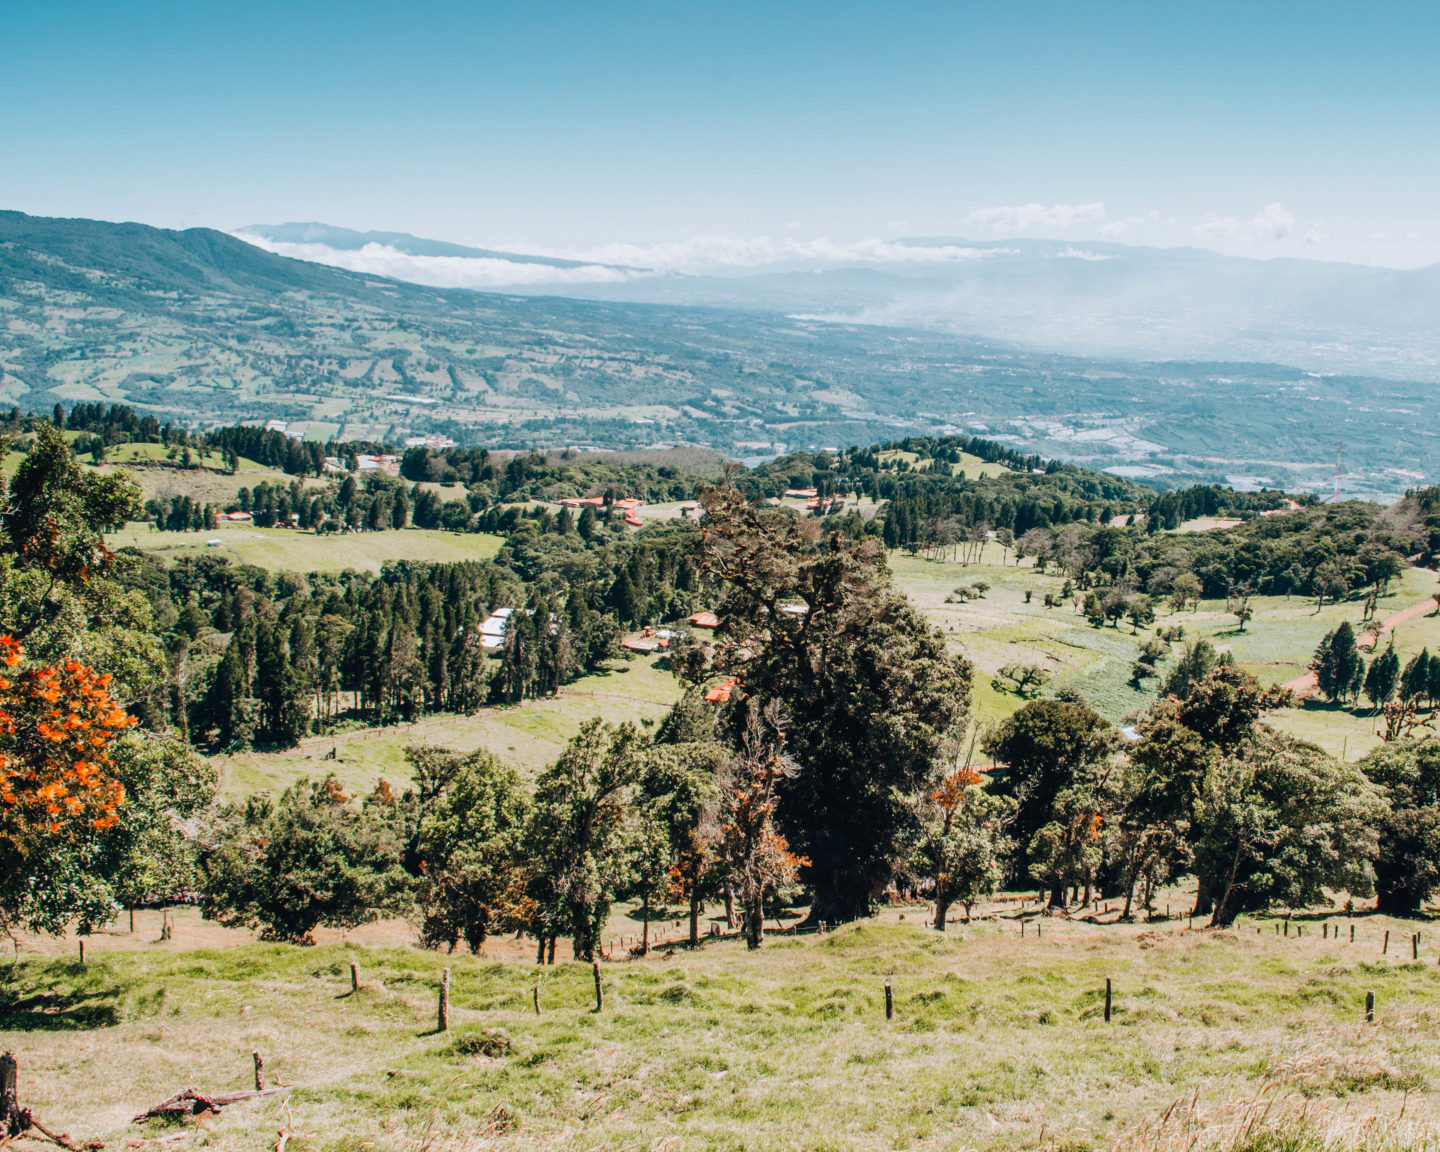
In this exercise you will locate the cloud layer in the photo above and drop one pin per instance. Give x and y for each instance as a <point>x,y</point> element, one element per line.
<point>1014,219</point>
<point>440,271</point>
<point>616,263</point>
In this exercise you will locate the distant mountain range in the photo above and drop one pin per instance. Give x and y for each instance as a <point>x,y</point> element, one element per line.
<point>1087,299</point>
<point>202,327</point>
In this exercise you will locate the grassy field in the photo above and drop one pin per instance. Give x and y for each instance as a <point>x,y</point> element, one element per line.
<point>1276,646</point>
<point>284,549</point>
<point>528,735</point>
<point>1235,1040</point>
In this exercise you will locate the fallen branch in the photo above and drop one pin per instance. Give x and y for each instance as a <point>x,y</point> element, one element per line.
<point>190,1102</point>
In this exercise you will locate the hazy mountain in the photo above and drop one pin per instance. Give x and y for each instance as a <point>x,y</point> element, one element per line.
<point>202,327</point>
<point>348,240</point>
<point>1082,298</point>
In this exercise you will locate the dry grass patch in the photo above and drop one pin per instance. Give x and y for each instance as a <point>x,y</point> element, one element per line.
<point>997,1042</point>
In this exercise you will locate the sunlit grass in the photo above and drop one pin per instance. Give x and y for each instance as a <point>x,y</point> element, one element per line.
<point>997,1041</point>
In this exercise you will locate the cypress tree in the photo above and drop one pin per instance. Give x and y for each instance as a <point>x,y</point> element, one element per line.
<point>1381,679</point>
<point>1415,680</point>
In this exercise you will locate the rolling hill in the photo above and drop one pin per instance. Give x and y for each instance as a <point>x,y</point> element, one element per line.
<point>201,327</point>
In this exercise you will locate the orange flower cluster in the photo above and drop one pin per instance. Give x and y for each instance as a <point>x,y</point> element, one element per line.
<point>951,793</point>
<point>56,724</point>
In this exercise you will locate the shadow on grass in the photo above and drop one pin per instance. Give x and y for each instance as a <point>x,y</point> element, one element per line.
<point>59,1004</point>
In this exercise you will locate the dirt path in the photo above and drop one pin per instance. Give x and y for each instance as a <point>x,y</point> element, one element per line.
<point>1305,686</point>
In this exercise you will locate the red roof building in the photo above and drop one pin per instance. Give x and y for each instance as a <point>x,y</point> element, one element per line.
<point>720,694</point>
<point>705,620</point>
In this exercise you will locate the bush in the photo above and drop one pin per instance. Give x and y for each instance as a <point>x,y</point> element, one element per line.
<point>309,860</point>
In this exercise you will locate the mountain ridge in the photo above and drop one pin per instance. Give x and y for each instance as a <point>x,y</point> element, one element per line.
<point>200,326</point>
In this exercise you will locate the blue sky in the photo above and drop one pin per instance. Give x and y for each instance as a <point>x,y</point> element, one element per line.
<point>1262,129</point>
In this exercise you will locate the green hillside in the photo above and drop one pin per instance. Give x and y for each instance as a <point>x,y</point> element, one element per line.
<point>201,327</point>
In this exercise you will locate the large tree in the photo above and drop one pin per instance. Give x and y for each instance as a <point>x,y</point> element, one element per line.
<point>580,829</point>
<point>306,860</point>
<point>810,619</point>
<point>1407,861</point>
<point>467,848</point>
<point>1184,738</point>
<point>1280,822</point>
<point>1054,756</point>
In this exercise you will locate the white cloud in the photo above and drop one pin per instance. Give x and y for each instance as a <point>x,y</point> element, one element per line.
<point>598,265</point>
<point>1317,236</point>
<point>1212,226</point>
<point>439,271</point>
<point>1073,253</point>
<point>724,252</point>
<point>1273,222</point>
<point>1015,218</point>
<point>1116,228</point>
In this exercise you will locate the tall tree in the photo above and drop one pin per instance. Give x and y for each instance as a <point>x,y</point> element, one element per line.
<point>1407,860</point>
<point>755,857</point>
<point>810,620</point>
<point>1055,755</point>
<point>468,841</point>
<point>1380,680</point>
<point>577,833</point>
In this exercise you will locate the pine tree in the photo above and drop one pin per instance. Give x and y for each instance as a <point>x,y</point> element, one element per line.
<point>1337,663</point>
<point>1415,681</point>
<point>1381,679</point>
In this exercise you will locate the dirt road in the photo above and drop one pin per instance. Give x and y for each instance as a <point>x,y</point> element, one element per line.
<point>1305,686</point>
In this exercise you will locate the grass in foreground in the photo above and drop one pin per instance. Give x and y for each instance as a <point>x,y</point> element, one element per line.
<point>997,1042</point>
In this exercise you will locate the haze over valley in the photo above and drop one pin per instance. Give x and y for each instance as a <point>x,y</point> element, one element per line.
<point>203,327</point>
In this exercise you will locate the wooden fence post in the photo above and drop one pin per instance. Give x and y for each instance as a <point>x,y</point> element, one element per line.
<point>889,1002</point>
<point>1352,933</point>
<point>259,1071</point>
<point>442,1023</point>
<point>9,1097</point>
<point>82,953</point>
<point>599,992</point>
<point>1415,946</point>
<point>536,993</point>
<point>1385,948</point>
<point>1369,1007</point>
<point>354,976</point>
<point>132,921</point>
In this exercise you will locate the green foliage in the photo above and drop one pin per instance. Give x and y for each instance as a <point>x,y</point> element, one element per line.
<point>1407,862</point>
<point>962,846</point>
<point>576,839</point>
<point>1054,755</point>
<point>1383,676</point>
<point>1279,823</point>
<point>309,859</point>
<point>867,688</point>
<point>473,812</point>
<point>1339,668</point>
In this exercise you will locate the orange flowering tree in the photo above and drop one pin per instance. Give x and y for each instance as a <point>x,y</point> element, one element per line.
<point>755,858</point>
<point>962,845</point>
<point>60,791</point>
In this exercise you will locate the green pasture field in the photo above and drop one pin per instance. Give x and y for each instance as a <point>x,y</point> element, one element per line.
<point>1276,646</point>
<point>285,549</point>
<point>528,735</point>
<point>1242,1040</point>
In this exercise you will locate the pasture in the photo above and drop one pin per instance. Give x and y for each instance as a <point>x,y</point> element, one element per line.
<point>285,549</point>
<point>528,735</point>
<point>1239,1039</point>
